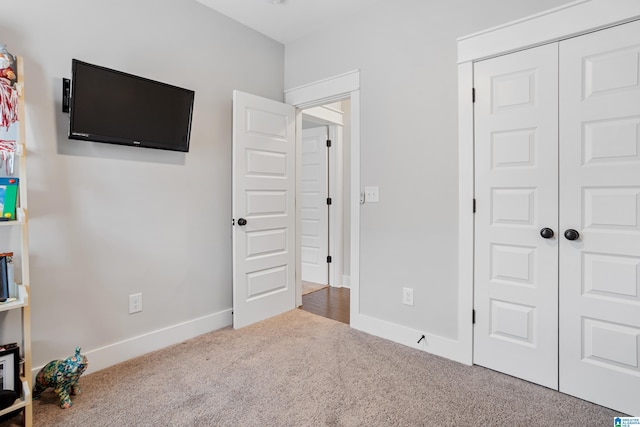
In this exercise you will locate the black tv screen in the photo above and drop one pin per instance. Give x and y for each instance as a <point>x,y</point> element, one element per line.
<point>119,108</point>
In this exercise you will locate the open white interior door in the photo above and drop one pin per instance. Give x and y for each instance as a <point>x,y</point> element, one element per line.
<point>263,203</point>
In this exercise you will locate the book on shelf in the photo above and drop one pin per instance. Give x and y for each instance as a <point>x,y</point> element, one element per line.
<point>13,286</point>
<point>4,278</point>
<point>8,198</point>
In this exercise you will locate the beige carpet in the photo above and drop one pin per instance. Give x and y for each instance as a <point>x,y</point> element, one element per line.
<point>299,369</point>
<point>308,287</point>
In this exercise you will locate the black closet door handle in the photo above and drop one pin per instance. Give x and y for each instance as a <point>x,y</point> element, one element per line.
<point>242,221</point>
<point>546,233</point>
<point>571,234</point>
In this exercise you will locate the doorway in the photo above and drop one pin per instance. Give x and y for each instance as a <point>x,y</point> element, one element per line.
<point>324,221</point>
<point>266,218</point>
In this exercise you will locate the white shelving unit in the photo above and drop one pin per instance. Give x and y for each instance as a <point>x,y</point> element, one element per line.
<point>20,248</point>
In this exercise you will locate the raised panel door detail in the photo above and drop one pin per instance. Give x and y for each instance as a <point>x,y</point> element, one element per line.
<point>310,200</point>
<point>611,276</point>
<point>310,227</point>
<point>267,281</point>
<point>309,150</point>
<point>609,141</point>
<point>611,71</point>
<point>611,345</point>
<point>612,208</point>
<point>266,123</point>
<point>513,322</point>
<point>512,264</point>
<point>266,203</point>
<point>513,148</point>
<point>266,164</point>
<point>310,173</point>
<point>513,206</point>
<point>265,243</point>
<point>514,90</point>
<point>310,255</point>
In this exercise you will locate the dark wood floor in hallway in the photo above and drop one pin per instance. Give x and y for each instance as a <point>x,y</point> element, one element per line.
<point>329,302</point>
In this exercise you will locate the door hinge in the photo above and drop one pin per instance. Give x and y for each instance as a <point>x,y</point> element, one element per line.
<point>473,317</point>
<point>328,200</point>
<point>473,94</point>
<point>328,143</point>
<point>474,205</point>
<point>329,259</point>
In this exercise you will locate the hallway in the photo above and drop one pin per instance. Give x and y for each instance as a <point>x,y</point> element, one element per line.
<point>332,303</point>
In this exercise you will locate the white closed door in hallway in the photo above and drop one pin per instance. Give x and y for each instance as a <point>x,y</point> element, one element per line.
<point>314,212</point>
<point>561,264</point>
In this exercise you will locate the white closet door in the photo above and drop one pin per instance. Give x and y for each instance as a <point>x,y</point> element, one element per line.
<point>600,198</point>
<point>516,270</point>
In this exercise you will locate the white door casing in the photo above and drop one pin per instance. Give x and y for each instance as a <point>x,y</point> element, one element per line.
<point>600,198</point>
<point>314,209</point>
<point>516,294</point>
<point>263,194</point>
<point>322,92</point>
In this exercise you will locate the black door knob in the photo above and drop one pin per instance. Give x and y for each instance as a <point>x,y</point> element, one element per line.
<point>546,233</point>
<point>571,234</point>
<point>242,221</point>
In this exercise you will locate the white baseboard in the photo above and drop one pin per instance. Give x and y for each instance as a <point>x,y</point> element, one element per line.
<point>346,281</point>
<point>112,354</point>
<point>435,344</point>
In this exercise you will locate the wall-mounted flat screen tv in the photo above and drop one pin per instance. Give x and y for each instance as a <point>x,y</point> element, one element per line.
<point>119,108</point>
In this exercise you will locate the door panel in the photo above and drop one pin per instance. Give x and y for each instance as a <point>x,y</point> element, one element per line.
<point>600,197</point>
<point>314,212</point>
<point>263,194</point>
<point>516,294</point>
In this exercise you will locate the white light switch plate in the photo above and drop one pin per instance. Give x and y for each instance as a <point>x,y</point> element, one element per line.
<point>371,195</point>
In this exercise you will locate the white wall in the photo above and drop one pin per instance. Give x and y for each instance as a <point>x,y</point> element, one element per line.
<point>107,221</point>
<point>406,53</point>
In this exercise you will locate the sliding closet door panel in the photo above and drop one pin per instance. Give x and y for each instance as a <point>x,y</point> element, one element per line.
<point>516,269</point>
<point>600,198</point>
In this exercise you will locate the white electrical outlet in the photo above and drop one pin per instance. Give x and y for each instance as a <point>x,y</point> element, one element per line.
<point>135,303</point>
<point>407,296</point>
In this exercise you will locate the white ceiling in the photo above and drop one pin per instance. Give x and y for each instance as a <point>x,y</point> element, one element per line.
<point>290,19</point>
